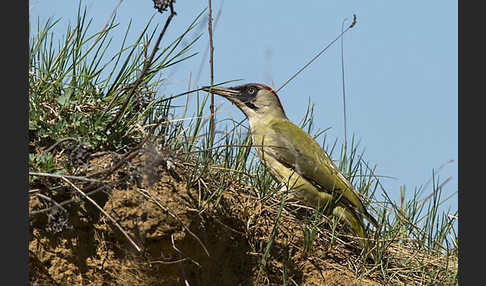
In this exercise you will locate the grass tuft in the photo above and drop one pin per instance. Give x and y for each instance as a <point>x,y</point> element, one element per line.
<point>77,115</point>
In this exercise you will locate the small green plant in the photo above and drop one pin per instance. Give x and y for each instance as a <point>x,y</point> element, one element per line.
<point>44,162</point>
<point>76,89</point>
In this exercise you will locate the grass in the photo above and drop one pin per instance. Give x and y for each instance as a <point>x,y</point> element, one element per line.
<point>85,102</point>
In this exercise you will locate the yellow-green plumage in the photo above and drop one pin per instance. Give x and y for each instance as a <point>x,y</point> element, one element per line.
<point>293,157</point>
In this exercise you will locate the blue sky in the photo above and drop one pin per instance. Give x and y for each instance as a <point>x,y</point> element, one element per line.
<point>400,70</point>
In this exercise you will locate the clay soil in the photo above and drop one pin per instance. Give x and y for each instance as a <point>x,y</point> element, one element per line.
<point>179,244</point>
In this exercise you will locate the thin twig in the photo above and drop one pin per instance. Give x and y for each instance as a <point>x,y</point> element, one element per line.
<point>146,67</point>
<point>170,262</point>
<point>115,97</point>
<point>223,169</point>
<point>211,52</point>
<point>150,197</point>
<point>180,252</point>
<point>344,93</point>
<point>434,192</point>
<point>181,266</point>
<point>132,153</point>
<point>203,59</point>
<point>59,142</point>
<point>126,157</point>
<point>66,201</point>
<point>57,205</point>
<point>66,176</point>
<point>437,172</point>
<point>112,15</point>
<point>105,213</point>
<point>103,30</point>
<point>318,54</point>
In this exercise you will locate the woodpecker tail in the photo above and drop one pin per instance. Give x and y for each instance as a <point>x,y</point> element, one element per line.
<point>351,219</point>
<point>356,224</point>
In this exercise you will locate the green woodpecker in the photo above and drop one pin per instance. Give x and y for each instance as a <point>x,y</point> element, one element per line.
<point>293,157</point>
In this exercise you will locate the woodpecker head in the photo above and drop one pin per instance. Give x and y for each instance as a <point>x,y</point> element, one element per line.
<point>255,100</point>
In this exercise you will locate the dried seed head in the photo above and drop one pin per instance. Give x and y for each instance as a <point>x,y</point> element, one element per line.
<point>162,5</point>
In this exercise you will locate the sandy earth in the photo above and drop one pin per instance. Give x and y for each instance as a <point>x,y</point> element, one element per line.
<point>83,247</point>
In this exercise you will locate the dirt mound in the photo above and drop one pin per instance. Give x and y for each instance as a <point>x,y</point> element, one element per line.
<point>182,240</point>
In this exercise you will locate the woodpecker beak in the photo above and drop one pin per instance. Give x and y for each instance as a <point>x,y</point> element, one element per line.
<point>228,93</point>
<point>243,96</point>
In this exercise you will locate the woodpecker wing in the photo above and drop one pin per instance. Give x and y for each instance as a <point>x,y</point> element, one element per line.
<point>294,148</point>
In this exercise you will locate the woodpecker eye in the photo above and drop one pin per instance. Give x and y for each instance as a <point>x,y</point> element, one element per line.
<point>251,90</point>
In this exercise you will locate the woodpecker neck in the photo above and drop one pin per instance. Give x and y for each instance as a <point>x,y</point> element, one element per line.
<point>265,114</point>
<point>259,120</point>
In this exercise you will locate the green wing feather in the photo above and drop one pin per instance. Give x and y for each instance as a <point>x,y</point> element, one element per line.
<point>296,149</point>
